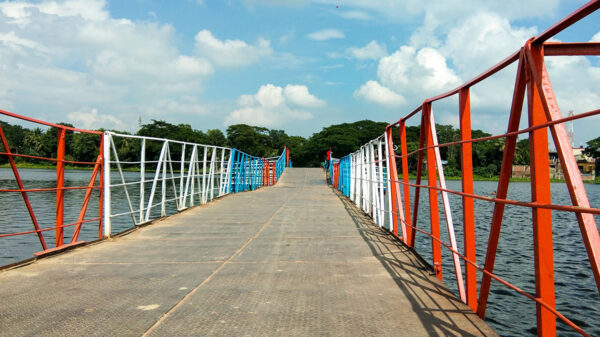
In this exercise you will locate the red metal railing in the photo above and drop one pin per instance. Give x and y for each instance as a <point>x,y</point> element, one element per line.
<point>532,81</point>
<point>60,188</point>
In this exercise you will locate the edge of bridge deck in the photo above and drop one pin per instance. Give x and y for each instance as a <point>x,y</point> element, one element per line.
<point>293,259</point>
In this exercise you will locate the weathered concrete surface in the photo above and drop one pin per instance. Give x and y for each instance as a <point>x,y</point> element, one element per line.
<point>288,260</point>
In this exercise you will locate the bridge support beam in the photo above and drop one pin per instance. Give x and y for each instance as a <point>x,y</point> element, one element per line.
<point>468,204</point>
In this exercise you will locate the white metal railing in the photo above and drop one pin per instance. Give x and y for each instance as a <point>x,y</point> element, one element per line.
<point>369,183</point>
<point>152,173</point>
<point>197,175</point>
<point>369,186</point>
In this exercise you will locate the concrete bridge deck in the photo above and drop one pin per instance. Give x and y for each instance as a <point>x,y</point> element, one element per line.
<point>289,260</point>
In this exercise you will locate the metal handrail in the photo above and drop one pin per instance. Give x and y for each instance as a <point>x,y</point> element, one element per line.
<point>206,172</point>
<point>363,175</point>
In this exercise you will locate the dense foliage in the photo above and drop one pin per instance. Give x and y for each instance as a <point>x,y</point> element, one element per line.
<point>342,139</point>
<point>593,148</point>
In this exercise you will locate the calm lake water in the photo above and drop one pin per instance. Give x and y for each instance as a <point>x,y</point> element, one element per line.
<point>509,313</point>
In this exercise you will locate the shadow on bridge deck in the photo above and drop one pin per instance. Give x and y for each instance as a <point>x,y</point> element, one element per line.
<point>292,259</point>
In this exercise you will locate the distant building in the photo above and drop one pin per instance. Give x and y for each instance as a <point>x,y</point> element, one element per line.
<point>586,164</point>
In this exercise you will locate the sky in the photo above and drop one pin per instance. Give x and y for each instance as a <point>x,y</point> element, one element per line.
<point>295,65</point>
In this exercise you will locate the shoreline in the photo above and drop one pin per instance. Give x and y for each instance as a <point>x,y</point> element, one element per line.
<point>475,177</point>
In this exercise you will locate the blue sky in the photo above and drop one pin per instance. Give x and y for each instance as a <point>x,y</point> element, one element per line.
<point>297,65</point>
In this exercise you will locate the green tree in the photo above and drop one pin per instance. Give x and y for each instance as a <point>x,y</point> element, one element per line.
<point>522,152</point>
<point>341,138</point>
<point>85,147</point>
<point>253,140</point>
<point>15,136</point>
<point>593,148</point>
<point>34,143</point>
<point>215,137</point>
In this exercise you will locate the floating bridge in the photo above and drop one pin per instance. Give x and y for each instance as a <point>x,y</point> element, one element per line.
<point>219,242</point>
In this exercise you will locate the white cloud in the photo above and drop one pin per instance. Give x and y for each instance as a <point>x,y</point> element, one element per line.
<point>93,120</point>
<point>596,38</point>
<point>20,12</point>
<point>326,34</point>
<point>371,51</point>
<point>354,15</point>
<point>415,73</point>
<point>187,106</point>
<point>374,92</point>
<point>299,95</point>
<point>273,106</point>
<point>483,40</point>
<point>448,11</point>
<point>286,37</point>
<point>69,56</point>
<point>231,53</point>
<point>16,43</point>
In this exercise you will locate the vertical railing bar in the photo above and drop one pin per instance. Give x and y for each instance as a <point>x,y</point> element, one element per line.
<point>381,186</point>
<point>405,219</point>
<point>221,171</point>
<point>181,175</point>
<point>106,141</point>
<point>172,179</point>
<point>163,209</point>
<point>433,197</point>
<point>540,193</point>
<point>190,175</point>
<point>390,191</point>
<point>374,184</point>
<point>574,182</point>
<point>503,183</point>
<point>422,134</point>
<point>60,184</point>
<point>154,182</point>
<point>132,213</point>
<point>142,178</point>
<point>468,203</point>
<point>446,203</point>
<point>212,173</point>
<point>197,176</point>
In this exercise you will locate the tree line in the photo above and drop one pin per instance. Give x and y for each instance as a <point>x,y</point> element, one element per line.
<point>342,139</point>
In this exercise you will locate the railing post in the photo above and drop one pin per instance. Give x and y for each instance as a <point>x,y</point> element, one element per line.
<point>273,173</point>
<point>393,182</point>
<point>106,139</point>
<point>233,172</point>
<point>142,178</point>
<point>229,171</point>
<point>101,192</point>
<point>540,193</point>
<point>502,187</point>
<point>203,194</point>
<point>574,182</point>
<point>407,219</point>
<point>60,185</point>
<point>163,208</point>
<point>434,215</point>
<point>287,156</point>
<point>447,211</point>
<point>213,158</point>
<point>422,144</point>
<point>466,164</point>
<point>181,175</point>
<point>221,171</point>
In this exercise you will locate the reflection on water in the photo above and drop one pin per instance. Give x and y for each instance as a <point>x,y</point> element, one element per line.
<point>509,313</point>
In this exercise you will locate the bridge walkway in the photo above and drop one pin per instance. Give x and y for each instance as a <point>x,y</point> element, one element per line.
<point>289,260</point>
